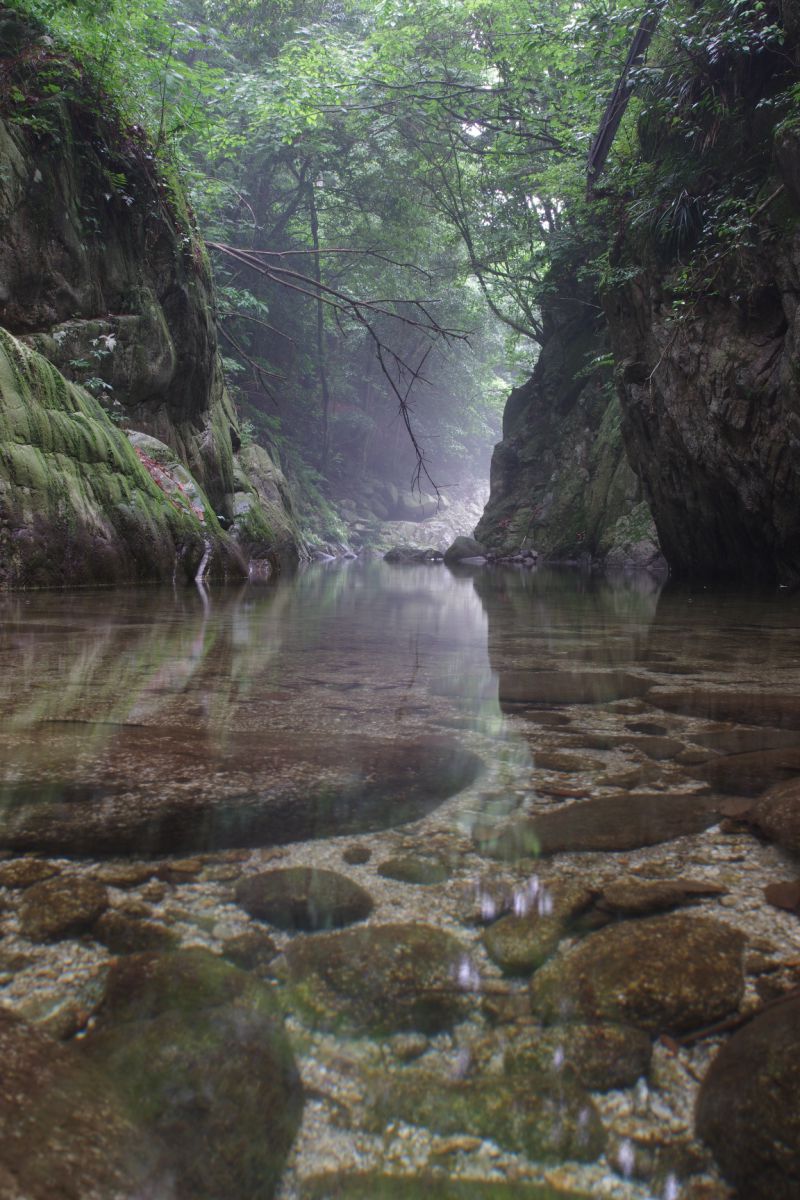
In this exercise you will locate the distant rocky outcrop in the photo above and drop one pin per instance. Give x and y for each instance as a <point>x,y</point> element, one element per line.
<point>560,479</point>
<point>102,273</point>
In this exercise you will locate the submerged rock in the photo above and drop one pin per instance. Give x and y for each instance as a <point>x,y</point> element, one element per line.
<point>624,822</point>
<point>520,942</point>
<point>464,548</point>
<point>547,1116</point>
<point>196,1050</point>
<point>778,709</point>
<point>63,1130</point>
<point>408,869</point>
<point>748,774</point>
<point>23,872</point>
<point>289,789</point>
<point>375,1186</point>
<point>380,979</point>
<point>569,687</point>
<point>776,815</point>
<point>748,1110</point>
<point>124,934</point>
<point>306,898</point>
<point>639,897</point>
<point>602,1056</point>
<point>666,974</point>
<point>60,907</point>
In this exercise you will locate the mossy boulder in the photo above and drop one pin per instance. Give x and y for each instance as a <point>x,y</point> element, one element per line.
<point>64,1130</point>
<point>417,869</point>
<point>776,815</point>
<point>664,974</point>
<point>379,980</point>
<point>60,907</point>
<point>196,1050</point>
<point>602,1056</point>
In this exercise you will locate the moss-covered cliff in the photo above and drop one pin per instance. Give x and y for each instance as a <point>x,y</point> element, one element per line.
<point>560,480</point>
<point>102,272</point>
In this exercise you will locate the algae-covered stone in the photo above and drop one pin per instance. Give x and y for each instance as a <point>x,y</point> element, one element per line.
<point>748,1110</point>
<point>379,980</point>
<point>602,1056</point>
<point>411,869</point>
<point>63,1130</point>
<point>520,943</point>
<point>23,872</point>
<point>375,1186</point>
<point>124,934</point>
<point>252,950</point>
<point>640,897</point>
<point>547,1116</point>
<point>197,1051</point>
<point>665,974</point>
<point>60,907</point>
<point>307,898</point>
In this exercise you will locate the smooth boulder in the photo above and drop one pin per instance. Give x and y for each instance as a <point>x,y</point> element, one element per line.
<point>665,974</point>
<point>748,1110</point>
<point>776,815</point>
<point>303,898</point>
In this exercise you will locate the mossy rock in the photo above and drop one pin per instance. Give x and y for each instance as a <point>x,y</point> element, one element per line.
<point>375,1186</point>
<point>547,1116</point>
<point>420,870</point>
<point>196,1050</point>
<point>378,980</point>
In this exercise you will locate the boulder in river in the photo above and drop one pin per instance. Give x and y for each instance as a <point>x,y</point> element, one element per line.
<point>196,1050</point>
<point>664,974</point>
<point>64,1131</point>
<point>602,1056</point>
<point>418,869</point>
<point>379,979</point>
<point>464,548</point>
<point>287,789</point>
<point>624,822</point>
<point>303,898</point>
<point>60,907</point>
<point>776,815</point>
<point>748,1110</point>
<point>369,1185</point>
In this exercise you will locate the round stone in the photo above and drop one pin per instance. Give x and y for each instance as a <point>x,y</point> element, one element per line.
<point>303,898</point>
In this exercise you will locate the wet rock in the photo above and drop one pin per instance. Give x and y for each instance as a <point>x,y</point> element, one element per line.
<point>520,942</point>
<point>569,687</point>
<point>776,815</point>
<point>748,1111</point>
<point>784,895</point>
<point>356,855</point>
<point>62,1007</point>
<point>639,897</point>
<point>58,908</point>
<point>602,1056</point>
<point>253,950</point>
<point>406,1047</point>
<point>23,872</point>
<point>381,979</point>
<point>464,548</point>
<point>546,1116</point>
<point>124,875</point>
<point>295,789</point>
<point>197,1051</point>
<point>63,1131</point>
<point>749,774</point>
<point>624,822</point>
<point>780,710</point>
<point>412,869</point>
<point>554,760</point>
<point>306,898</point>
<point>370,1185</point>
<point>412,554</point>
<point>666,974</point>
<point>738,740</point>
<point>642,1152</point>
<point>124,934</point>
<point>658,748</point>
<point>178,871</point>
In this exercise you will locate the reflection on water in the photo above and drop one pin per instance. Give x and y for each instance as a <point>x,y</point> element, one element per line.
<point>460,831</point>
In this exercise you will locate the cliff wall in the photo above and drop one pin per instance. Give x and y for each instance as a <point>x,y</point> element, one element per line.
<point>102,273</point>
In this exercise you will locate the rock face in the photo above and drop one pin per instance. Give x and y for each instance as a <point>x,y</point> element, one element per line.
<point>104,275</point>
<point>747,1110</point>
<point>195,1049</point>
<point>661,974</point>
<point>560,481</point>
<point>707,367</point>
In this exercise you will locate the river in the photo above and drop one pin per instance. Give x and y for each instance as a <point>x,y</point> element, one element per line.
<point>476,839</point>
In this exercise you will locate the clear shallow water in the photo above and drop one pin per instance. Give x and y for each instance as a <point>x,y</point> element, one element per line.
<point>194,741</point>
